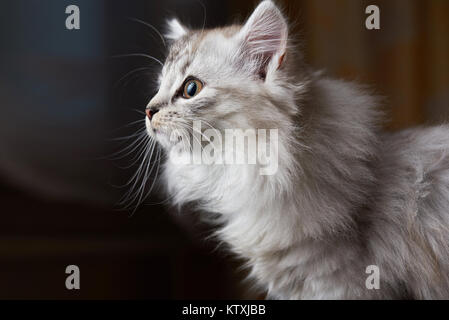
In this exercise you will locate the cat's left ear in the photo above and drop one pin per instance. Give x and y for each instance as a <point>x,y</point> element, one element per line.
<point>263,38</point>
<point>175,29</point>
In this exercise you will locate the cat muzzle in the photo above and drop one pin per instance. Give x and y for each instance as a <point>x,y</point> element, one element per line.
<point>151,112</point>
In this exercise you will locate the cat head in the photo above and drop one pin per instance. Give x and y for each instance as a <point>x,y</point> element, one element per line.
<point>227,78</point>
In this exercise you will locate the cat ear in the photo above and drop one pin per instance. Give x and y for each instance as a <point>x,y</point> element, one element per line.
<point>175,29</point>
<point>263,38</point>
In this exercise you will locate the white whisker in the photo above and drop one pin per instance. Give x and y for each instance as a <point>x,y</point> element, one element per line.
<point>151,27</point>
<point>139,55</point>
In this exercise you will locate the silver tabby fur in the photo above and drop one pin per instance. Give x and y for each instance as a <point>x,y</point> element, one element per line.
<point>346,194</point>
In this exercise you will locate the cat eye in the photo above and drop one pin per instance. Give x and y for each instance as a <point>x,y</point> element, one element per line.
<point>191,88</point>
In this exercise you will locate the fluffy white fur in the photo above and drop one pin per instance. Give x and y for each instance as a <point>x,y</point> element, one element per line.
<point>345,196</point>
<point>175,30</point>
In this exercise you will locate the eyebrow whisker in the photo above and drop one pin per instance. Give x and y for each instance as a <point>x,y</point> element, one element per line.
<point>139,55</point>
<point>151,27</point>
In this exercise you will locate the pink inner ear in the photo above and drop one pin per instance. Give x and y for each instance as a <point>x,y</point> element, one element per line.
<point>281,60</point>
<point>264,36</point>
<point>263,48</point>
<point>264,42</point>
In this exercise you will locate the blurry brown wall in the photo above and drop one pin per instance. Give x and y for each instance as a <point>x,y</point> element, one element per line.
<point>407,60</point>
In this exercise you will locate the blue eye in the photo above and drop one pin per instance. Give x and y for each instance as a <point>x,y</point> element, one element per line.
<point>192,88</point>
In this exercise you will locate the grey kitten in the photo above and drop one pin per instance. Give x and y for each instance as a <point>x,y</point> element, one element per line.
<point>345,196</point>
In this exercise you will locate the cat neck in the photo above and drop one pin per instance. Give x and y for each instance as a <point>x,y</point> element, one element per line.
<point>321,186</point>
<point>324,191</point>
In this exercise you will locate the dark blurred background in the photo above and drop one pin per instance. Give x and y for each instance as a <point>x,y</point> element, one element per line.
<point>64,98</point>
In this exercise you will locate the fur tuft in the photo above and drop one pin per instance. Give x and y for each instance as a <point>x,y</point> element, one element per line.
<point>175,30</point>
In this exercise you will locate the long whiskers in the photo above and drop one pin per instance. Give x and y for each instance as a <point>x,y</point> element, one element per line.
<point>138,133</point>
<point>139,55</point>
<point>158,160</point>
<point>130,124</point>
<point>204,15</point>
<point>141,189</point>
<point>151,27</point>
<point>127,200</point>
<point>191,130</point>
<point>200,132</point>
<point>131,73</point>
<point>129,148</point>
<point>137,192</point>
<point>147,153</point>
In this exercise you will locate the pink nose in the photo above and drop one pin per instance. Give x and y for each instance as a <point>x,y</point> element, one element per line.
<point>151,112</point>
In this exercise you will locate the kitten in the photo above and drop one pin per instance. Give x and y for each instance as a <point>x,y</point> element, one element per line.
<point>345,196</point>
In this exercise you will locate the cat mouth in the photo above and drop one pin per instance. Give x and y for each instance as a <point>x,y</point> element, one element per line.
<point>166,138</point>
